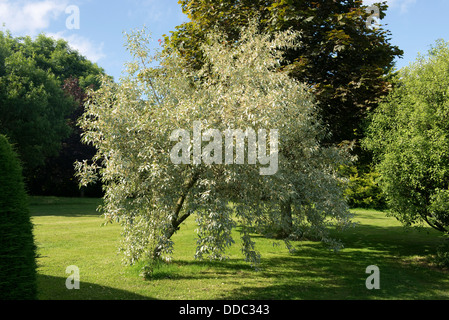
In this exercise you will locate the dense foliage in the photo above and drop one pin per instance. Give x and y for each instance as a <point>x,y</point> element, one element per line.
<point>345,62</point>
<point>133,125</point>
<point>17,249</point>
<point>363,189</point>
<point>33,107</point>
<point>36,105</point>
<point>57,176</point>
<point>409,135</point>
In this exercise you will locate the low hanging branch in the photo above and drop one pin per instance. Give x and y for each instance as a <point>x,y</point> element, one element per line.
<point>133,136</point>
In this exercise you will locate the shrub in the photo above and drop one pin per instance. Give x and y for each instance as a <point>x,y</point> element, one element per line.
<point>442,255</point>
<point>408,136</point>
<point>363,190</point>
<point>17,249</point>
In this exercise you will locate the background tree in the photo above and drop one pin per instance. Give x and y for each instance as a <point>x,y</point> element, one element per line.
<point>409,135</point>
<point>345,63</point>
<point>34,109</point>
<point>57,56</point>
<point>57,176</point>
<point>17,249</point>
<point>151,196</point>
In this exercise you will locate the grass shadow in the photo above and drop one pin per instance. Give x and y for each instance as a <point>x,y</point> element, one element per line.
<point>314,272</point>
<point>196,269</point>
<point>66,207</point>
<point>54,288</point>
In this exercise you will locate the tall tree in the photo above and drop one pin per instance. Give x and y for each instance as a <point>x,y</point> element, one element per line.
<point>343,61</point>
<point>57,176</point>
<point>152,182</point>
<point>35,110</point>
<point>409,135</point>
<point>58,57</point>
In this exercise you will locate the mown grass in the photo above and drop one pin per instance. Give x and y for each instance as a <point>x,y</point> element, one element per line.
<point>70,232</point>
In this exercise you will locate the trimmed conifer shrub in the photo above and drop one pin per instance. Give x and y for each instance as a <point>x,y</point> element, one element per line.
<point>17,248</point>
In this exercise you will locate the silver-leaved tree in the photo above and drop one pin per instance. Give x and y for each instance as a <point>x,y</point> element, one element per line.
<point>233,144</point>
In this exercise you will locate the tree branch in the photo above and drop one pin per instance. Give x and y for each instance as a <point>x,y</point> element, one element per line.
<point>176,220</point>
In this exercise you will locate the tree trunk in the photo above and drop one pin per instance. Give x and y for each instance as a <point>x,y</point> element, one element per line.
<point>177,220</point>
<point>286,220</point>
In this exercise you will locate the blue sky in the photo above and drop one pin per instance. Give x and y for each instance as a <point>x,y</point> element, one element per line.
<point>414,24</point>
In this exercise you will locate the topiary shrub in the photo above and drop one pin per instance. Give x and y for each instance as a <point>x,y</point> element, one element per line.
<point>17,248</point>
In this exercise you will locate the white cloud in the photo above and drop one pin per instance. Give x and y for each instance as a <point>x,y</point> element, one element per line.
<point>35,16</point>
<point>30,16</point>
<point>402,5</point>
<point>86,47</point>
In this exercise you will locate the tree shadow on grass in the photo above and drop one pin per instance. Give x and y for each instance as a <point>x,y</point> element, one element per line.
<point>315,273</point>
<point>201,269</point>
<point>342,277</point>
<point>54,288</point>
<point>67,207</point>
<point>398,241</point>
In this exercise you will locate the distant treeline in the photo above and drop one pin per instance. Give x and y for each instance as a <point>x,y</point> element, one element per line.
<point>43,85</point>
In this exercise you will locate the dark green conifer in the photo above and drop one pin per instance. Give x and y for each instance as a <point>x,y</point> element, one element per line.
<point>17,248</point>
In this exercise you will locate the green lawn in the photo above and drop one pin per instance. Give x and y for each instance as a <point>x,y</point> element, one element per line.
<point>70,232</point>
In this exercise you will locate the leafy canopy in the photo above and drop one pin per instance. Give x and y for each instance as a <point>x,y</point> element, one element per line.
<point>340,58</point>
<point>409,135</point>
<point>238,87</point>
<point>33,105</point>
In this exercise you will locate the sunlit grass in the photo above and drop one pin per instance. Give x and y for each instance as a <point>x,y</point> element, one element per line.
<point>70,232</point>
